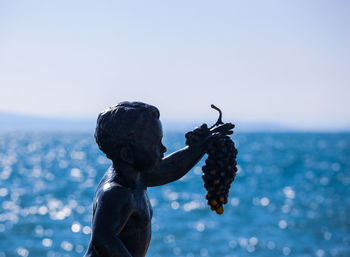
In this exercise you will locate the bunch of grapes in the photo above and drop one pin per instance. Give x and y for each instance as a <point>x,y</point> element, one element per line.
<point>219,172</point>
<point>220,168</point>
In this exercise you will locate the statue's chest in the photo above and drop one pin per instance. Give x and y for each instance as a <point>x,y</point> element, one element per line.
<point>143,212</point>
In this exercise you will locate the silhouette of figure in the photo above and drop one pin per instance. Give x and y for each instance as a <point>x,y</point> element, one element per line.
<point>130,134</point>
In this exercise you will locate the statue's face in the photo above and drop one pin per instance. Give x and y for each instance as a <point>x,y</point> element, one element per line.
<point>149,149</point>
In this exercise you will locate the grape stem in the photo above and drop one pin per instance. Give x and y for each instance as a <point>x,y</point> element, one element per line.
<point>219,121</point>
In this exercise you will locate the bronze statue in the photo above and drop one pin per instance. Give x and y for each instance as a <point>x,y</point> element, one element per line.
<point>130,134</point>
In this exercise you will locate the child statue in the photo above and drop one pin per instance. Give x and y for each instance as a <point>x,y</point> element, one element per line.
<point>130,134</point>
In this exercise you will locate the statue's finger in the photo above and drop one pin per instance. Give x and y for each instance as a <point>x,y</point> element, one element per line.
<point>224,129</point>
<point>212,138</point>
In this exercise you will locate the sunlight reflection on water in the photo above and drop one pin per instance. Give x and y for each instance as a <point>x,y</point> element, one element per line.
<point>291,197</point>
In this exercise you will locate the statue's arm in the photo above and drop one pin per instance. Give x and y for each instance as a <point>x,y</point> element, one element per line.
<point>112,212</point>
<point>175,165</point>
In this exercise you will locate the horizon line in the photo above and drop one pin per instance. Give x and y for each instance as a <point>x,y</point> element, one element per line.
<point>20,120</point>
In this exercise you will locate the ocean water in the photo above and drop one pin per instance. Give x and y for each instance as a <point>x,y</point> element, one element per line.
<point>291,197</point>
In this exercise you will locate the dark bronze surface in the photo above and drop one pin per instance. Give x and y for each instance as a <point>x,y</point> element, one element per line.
<point>130,134</point>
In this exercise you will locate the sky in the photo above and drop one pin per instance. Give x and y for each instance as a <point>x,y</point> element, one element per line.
<point>259,61</point>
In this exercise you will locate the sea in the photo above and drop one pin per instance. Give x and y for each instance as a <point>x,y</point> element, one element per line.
<point>291,197</point>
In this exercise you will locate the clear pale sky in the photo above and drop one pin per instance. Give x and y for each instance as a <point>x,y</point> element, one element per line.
<point>282,61</point>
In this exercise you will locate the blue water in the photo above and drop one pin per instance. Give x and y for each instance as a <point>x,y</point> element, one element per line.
<point>290,197</point>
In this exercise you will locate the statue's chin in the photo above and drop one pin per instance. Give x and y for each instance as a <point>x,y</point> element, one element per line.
<point>150,166</point>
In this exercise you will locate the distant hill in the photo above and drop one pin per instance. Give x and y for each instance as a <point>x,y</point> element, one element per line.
<point>12,121</point>
<point>21,122</point>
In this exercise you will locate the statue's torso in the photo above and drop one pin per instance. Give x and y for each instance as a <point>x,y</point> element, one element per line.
<point>136,233</point>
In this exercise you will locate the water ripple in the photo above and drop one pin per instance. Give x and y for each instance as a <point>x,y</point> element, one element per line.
<point>291,198</point>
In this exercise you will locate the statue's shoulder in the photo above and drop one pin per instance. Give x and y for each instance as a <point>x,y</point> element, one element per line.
<point>111,188</point>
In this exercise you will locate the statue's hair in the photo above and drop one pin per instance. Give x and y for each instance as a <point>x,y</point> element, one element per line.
<point>116,124</point>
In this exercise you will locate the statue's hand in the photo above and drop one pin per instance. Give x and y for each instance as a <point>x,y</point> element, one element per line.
<point>203,136</point>
<point>224,129</point>
<point>198,135</point>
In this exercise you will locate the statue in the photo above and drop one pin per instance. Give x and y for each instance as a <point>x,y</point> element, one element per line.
<point>130,134</point>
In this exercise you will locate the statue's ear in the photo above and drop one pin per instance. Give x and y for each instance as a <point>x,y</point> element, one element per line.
<point>127,155</point>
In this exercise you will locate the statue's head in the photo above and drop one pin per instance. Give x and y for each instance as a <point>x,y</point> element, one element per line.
<point>131,132</point>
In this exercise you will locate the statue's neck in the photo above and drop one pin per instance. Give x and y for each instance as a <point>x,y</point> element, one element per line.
<point>128,176</point>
